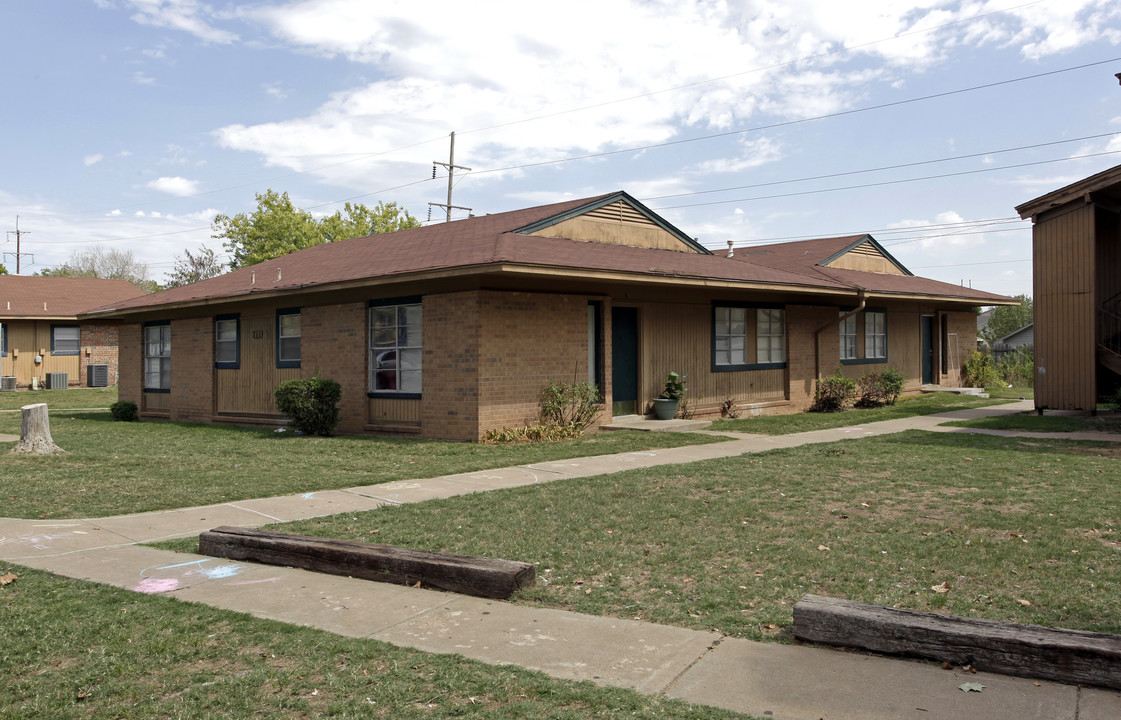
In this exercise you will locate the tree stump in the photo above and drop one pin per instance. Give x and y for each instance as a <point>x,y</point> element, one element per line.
<point>35,432</point>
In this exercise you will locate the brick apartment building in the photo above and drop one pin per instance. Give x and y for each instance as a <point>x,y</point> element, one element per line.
<point>41,336</point>
<point>450,330</point>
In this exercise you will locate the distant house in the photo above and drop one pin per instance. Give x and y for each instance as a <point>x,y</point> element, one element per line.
<point>1076,241</point>
<point>450,330</point>
<point>41,336</point>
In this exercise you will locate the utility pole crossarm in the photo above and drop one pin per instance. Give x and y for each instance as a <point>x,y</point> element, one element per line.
<point>452,167</point>
<point>19,234</point>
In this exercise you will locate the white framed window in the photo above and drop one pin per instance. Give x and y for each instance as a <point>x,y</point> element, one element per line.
<point>770,335</point>
<point>395,347</point>
<point>64,339</point>
<point>848,337</point>
<point>227,341</point>
<point>289,334</point>
<point>157,357</point>
<point>730,336</point>
<point>875,334</point>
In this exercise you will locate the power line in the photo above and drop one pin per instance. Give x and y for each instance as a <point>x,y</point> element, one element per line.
<point>806,58</point>
<point>889,182</point>
<point>882,168</point>
<point>787,123</point>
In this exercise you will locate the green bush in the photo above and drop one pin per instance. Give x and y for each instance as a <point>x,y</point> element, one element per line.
<point>573,406</point>
<point>980,371</point>
<point>833,394</point>
<point>1018,368</point>
<point>310,403</point>
<point>876,389</point>
<point>124,411</point>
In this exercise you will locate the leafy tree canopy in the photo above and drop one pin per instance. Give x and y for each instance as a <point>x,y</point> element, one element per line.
<point>100,262</point>
<point>1007,319</point>
<point>3,270</point>
<point>192,267</point>
<point>278,228</point>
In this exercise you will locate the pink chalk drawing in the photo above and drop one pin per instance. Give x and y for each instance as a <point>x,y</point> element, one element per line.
<point>152,586</point>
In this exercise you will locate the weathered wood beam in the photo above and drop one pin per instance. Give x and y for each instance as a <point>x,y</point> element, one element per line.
<point>1067,656</point>
<point>482,577</point>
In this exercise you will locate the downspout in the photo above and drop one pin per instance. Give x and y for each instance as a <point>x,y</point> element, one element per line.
<point>861,302</point>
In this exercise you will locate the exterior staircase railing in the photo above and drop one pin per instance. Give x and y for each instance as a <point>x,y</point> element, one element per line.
<point>1109,339</point>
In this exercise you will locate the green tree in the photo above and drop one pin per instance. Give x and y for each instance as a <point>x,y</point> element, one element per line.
<point>1007,319</point>
<point>3,270</point>
<point>190,268</point>
<point>100,262</point>
<point>278,228</point>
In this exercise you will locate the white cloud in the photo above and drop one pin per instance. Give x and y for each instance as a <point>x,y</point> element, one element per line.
<point>189,16</point>
<point>113,213</point>
<point>178,186</point>
<point>92,159</point>
<point>140,78</point>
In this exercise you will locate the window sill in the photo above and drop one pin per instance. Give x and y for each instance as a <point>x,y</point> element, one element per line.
<point>864,361</point>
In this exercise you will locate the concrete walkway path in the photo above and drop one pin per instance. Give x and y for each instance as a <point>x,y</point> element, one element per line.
<point>789,682</point>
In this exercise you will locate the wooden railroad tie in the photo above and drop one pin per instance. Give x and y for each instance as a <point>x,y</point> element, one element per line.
<point>479,576</point>
<point>1066,656</point>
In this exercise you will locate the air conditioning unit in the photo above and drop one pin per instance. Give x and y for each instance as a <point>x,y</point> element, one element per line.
<point>97,376</point>
<point>8,383</point>
<point>57,381</point>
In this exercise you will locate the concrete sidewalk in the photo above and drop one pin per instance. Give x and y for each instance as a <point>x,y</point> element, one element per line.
<point>789,682</point>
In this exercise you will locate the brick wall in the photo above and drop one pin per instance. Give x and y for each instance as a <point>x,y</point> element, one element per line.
<point>451,366</point>
<point>802,323</point>
<point>334,344</point>
<point>192,368</point>
<point>528,340</point>
<point>964,326</point>
<point>130,363</point>
<point>98,347</point>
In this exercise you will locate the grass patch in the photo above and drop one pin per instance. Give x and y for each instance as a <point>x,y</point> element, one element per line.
<point>1034,422</point>
<point>1011,393</point>
<point>76,649</point>
<point>71,398</point>
<point>115,468</point>
<point>926,404</point>
<point>1021,531</point>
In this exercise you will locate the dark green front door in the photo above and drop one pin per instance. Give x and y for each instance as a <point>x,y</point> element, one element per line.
<point>624,360</point>
<point>927,350</point>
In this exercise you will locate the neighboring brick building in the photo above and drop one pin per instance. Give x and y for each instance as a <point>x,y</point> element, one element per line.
<point>450,330</point>
<point>40,334</point>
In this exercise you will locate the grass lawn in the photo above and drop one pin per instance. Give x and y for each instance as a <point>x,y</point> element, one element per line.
<point>1008,529</point>
<point>1011,393</point>
<point>926,404</point>
<point>71,398</point>
<point>80,650</point>
<point>115,468</point>
<point>1034,422</point>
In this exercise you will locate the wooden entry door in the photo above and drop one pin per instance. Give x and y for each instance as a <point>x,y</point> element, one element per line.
<point>624,360</point>
<point>927,350</point>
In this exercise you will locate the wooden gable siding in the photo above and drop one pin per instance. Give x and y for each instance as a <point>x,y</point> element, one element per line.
<point>1063,294</point>
<point>249,389</point>
<point>28,338</point>
<point>616,224</point>
<point>866,258</point>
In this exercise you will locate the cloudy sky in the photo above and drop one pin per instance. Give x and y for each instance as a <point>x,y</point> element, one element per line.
<point>132,123</point>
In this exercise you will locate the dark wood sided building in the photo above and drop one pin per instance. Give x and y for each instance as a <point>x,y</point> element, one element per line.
<point>1076,255</point>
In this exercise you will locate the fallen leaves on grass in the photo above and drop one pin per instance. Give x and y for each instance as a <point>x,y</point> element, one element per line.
<point>8,579</point>
<point>943,588</point>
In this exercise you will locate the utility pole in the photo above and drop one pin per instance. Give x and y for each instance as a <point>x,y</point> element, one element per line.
<point>452,167</point>
<point>18,233</point>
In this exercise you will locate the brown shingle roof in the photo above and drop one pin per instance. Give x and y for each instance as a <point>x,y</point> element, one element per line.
<point>803,258</point>
<point>50,297</point>
<point>493,240</point>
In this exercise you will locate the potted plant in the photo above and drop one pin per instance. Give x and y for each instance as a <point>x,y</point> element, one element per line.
<point>665,405</point>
